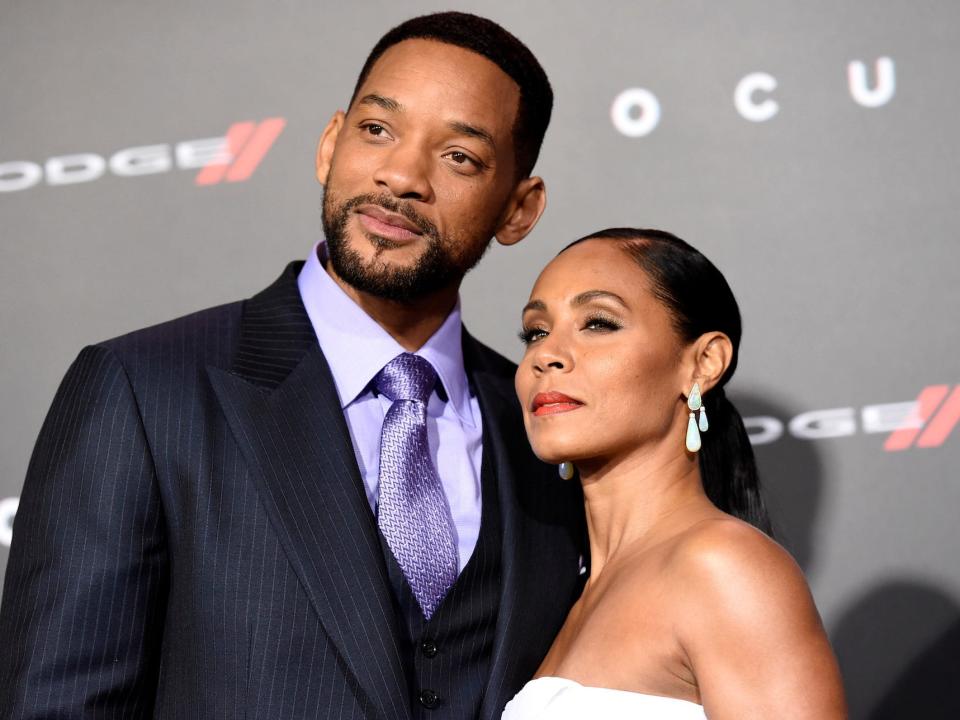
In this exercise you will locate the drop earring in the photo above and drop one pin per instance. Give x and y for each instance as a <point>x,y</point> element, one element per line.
<point>565,469</point>
<point>695,403</point>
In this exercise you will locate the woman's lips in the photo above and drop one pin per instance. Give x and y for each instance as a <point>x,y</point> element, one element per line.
<point>386,224</point>
<point>551,403</point>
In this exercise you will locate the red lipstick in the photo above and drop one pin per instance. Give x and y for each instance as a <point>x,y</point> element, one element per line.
<point>551,403</point>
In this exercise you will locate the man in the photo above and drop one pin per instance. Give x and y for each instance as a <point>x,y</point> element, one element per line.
<point>318,502</point>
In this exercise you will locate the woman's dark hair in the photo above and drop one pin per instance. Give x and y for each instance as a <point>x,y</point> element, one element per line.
<point>487,38</point>
<point>699,299</point>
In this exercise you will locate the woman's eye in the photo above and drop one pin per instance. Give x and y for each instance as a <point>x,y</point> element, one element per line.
<point>599,323</point>
<point>530,335</point>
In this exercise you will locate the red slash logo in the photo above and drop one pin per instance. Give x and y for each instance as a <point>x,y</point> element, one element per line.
<point>936,413</point>
<point>246,145</point>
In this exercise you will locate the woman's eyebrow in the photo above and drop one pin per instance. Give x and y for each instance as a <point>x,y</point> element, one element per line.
<point>585,297</point>
<point>535,305</point>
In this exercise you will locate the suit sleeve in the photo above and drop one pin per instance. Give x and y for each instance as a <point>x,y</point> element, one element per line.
<point>85,591</point>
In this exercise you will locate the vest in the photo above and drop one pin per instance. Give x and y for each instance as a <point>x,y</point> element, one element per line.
<point>447,659</point>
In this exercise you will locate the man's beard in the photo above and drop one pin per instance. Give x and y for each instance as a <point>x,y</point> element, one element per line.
<point>436,268</point>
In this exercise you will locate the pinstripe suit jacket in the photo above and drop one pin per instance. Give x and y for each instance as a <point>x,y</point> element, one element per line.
<point>193,539</point>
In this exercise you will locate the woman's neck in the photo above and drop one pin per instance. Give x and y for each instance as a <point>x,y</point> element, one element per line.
<point>630,501</point>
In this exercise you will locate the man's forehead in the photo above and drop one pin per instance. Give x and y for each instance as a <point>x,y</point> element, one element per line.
<point>415,51</point>
<point>434,71</point>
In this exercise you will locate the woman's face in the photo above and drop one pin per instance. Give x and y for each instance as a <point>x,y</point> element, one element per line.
<point>604,369</point>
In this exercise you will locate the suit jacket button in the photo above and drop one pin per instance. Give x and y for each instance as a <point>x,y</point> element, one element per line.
<point>429,648</point>
<point>429,699</point>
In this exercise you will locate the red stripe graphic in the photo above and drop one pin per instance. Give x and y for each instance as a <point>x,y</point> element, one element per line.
<point>941,425</point>
<point>927,402</point>
<point>246,145</point>
<point>255,149</point>
<point>236,138</point>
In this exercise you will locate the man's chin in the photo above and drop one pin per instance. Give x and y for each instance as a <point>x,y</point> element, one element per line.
<point>389,273</point>
<point>374,249</point>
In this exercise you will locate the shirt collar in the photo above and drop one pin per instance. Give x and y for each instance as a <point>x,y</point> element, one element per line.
<point>357,348</point>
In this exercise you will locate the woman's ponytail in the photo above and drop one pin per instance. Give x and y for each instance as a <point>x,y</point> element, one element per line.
<point>727,465</point>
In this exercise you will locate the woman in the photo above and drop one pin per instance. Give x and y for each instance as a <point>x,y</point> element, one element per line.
<point>691,610</point>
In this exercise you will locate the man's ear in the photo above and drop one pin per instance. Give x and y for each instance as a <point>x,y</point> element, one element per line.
<point>327,144</point>
<point>527,203</point>
<point>713,353</point>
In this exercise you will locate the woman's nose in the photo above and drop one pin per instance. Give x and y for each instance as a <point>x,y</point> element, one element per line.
<point>552,356</point>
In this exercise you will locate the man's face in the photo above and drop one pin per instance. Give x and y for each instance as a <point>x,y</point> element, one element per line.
<point>421,171</point>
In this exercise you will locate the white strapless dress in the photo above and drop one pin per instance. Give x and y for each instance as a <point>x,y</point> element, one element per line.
<point>554,698</point>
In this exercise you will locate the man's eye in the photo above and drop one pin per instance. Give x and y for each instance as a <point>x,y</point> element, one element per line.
<point>374,129</point>
<point>461,158</point>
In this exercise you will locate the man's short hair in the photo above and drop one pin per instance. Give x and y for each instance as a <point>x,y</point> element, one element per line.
<point>486,38</point>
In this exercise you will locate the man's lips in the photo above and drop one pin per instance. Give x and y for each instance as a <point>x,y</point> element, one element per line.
<point>387,224</point>
<point>550,403</point>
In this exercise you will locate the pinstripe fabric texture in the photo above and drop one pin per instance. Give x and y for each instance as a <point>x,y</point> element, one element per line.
<point>194,541</point>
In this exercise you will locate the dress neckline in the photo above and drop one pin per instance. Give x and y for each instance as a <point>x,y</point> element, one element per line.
<point>562,680</point>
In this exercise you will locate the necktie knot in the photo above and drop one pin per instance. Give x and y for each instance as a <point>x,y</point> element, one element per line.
<point>407,377</point>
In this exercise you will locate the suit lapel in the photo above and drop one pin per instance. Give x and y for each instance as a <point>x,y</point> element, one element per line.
<point>284,412</point>
<point>542,536</point>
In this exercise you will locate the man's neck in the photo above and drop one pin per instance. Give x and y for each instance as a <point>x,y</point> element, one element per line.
<point>410,324</point>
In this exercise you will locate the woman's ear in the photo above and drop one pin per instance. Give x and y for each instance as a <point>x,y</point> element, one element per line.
<point>327,144</point>
<point>526,205</point>
<point>713,353</point>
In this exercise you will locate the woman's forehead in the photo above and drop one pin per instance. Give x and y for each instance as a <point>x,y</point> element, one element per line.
<point>599,263</point>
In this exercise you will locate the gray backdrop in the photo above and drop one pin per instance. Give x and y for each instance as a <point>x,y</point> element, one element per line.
<point>827,194</point>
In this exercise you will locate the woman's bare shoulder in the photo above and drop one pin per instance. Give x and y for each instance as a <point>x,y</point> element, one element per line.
<point>748,626</point>
<point>724,548</point>
<point>724,570</point>
<point>733,582</point>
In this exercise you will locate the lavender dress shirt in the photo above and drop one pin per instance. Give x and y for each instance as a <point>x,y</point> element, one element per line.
<point>356,348</point>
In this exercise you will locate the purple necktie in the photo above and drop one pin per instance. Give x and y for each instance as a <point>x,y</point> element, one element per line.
<point>412,510</point>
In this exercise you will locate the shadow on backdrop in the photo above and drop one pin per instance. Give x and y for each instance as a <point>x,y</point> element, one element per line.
<point>791,474</point>
<point>899,650</point>
<point>899,644</point>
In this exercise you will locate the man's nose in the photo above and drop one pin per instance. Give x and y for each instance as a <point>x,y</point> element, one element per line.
<point>404,173</point>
